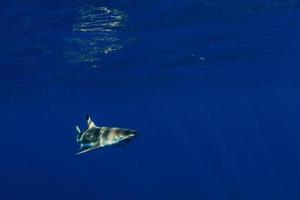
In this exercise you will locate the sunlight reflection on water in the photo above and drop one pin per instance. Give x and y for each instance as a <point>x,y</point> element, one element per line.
<point>96,32</point>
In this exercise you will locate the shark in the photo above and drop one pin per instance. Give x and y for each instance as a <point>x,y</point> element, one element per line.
<point>95,137</point>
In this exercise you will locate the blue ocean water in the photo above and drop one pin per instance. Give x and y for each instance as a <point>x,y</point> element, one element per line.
<point>212,87</point>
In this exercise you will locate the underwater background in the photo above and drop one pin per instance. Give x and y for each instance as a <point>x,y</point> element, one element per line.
<point>212,86</point>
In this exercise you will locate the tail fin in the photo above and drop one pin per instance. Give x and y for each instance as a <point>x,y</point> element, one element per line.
<point>79,133</point>
<point>78,129</point>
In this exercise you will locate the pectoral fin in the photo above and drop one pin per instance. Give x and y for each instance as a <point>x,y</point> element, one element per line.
<point>87,150</point>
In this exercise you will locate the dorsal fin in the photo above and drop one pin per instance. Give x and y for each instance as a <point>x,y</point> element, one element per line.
<point>89,122</point>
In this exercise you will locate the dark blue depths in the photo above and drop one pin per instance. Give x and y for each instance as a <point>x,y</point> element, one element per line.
<point>212,87</point>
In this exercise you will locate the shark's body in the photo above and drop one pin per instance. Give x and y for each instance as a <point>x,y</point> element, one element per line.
<point>97,137</point>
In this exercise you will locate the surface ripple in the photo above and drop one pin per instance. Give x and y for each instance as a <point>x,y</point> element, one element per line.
<point>96,32</point>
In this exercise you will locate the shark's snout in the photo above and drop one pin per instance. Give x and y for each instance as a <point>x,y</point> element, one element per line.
<point>132,132</point>
<point>128,135</point>
<point>128,132</point>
